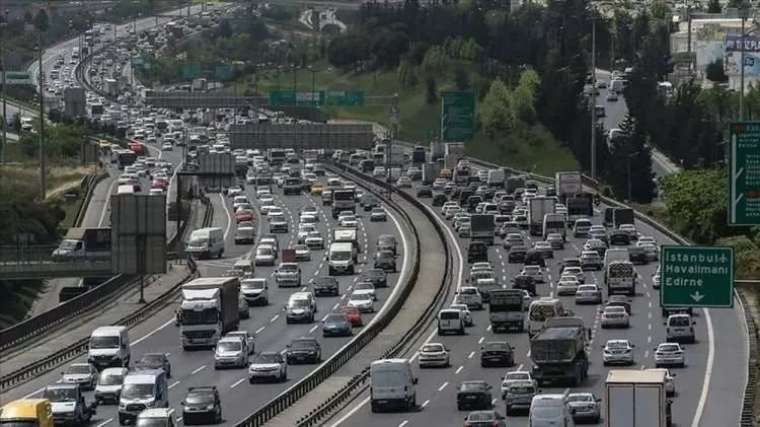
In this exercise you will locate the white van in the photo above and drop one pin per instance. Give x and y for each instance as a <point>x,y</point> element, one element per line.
<point>341,259</point>
<point>301,308</point>
<point>555,223</point>
<point>542,309</point>
<point>142,390</point>
<point>109,346</point>
<point>550,410</point>
<point>680,328</point>
<point>206,242</point>
<point>392,384</point>
<point>109,385</point>
<point>450,320</point>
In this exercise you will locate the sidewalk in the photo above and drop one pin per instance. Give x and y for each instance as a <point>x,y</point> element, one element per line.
<point>111,313</point>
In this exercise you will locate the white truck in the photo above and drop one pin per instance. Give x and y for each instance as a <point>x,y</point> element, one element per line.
<point>341,258</point>
<point>620,278</point>
<point>453,153</point>
<point>347,235</point>
<point>496,178</point>
<point>430,172</point>
<point>208,310</point>
<point>538,207</point>
<point>567,184</point>
<point>392,385</point>
<point>636,398</point>
<point>436,151</point>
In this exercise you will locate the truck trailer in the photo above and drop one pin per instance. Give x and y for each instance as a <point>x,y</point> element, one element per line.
<point>538,207</point>
<point>482,228</point>
<point>567,184</point>
<point>636,398</point>
<point>208,310</point>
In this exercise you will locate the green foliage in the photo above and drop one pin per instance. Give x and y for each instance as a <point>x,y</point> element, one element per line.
<point>746,256</point>
<point>632,179</point>
<point>431,90</point>
<point>496,109</point>
<point>524,97</point>
<point>348,49</point>
<point>436,61</point>
<point>461,78</point>
<point>407,74</point>
<point>696,203</point>
<point>277,13</point>
<point>41,21</point>
<point>714,6</point>
<point>714,71</point>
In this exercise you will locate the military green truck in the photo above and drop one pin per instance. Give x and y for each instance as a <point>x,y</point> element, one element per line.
<point>558,352</point>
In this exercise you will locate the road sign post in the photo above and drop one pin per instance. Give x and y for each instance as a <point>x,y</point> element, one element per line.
<point>744,174</point>
<point>696,276</point>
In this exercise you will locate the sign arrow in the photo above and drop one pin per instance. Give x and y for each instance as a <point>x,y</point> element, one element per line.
<point>696,296</point>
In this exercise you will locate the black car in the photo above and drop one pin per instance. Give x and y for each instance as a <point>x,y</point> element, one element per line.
<point>336,325</point>
<point>385,260</point>
<point>155,361</point>
<point>637,255</point>
<point>368,202</point>
<point>424,192</point>
<point>496,353</point>
<point>377,276</point>
<point>303,350</point>
<point>202,406</point>
<point>517,254</point>
<point>439,199</point>
<point>534,257</point>
<point>619,238</point>
<point>525,283</point>
<point>325,286</point>
<point>386,242</point>
<point>474,395</point>
<point>477,252</point>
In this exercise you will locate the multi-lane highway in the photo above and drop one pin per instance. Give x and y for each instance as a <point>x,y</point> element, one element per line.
<point>267,323</point>
<point>709,389</point>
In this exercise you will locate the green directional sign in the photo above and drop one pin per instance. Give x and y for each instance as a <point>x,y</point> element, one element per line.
<point>343,98</point>
<point>223,72</point>
<point>191,71</point>
<point>13,78</point>
<point>457,116</point>
<point>744,174</point>
<point>696,276</point>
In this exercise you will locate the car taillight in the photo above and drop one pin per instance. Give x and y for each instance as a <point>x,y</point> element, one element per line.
<point>467,424</point>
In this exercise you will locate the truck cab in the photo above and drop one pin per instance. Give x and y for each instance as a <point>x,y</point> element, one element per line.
<point>27,412</point>
<point>68,404</point>
<point>341,258</point>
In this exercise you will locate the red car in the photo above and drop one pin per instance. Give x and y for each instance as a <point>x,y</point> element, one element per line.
<point>160,183</point>
<point>353,315</point>
<point>243,215</point>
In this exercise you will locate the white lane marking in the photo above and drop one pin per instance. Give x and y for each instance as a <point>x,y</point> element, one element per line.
<point>649,339</point>
<point>425,403</point>
<point>274,319</point>
<point>229,216</point>
<point>104,422</point>
<point>141,339</point>
<point>471,355</point>
<point>174,384</point>
<point>237,383</point>
<point>179,418</point>
<point>708,369</point>
<point>403,423</point>
<point>443,386</point>
<point>480,341</point>
<point>258,331</point>
<point>459,369</point>
<point>202,367</point>
<point>313,328</point>
<point>646,354</point>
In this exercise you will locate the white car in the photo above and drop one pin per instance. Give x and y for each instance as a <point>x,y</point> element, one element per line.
<point>630,230</point>
<point>167,146</point>
<point>576,271</point>
<point>615,316</point>
<point>83,374</point>
<point>434,355</point>
<point>617,352</point>
<point>512,377</point>
<point>534,272</point>
<point>349,221</point>
<point>567,285</point>
<point>669,354</point>
<point>465,313</point>
<point>469,296</point>
<point>265,255</point>
<point>314,240</point>
<point>362,301</point>
<point>588,294</point>
<point>404,182</point>
<point>303,253</point>
<point>266,209</point>
<point>268,365</point>
<point>366,287</point>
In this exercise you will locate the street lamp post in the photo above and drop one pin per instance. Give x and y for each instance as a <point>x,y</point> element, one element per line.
<point>744,11</point>
<point>3,24</point>
<point>593,97</point>
<point>43,159</point>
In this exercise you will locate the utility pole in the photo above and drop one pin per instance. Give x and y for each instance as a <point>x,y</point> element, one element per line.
<point>688,37</point>
<point>744,14</point>
<point>5,110</point>
<point>593,96</point>
<point>43,160</point>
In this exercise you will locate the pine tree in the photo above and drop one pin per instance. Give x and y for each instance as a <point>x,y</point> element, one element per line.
<point>630,172</point>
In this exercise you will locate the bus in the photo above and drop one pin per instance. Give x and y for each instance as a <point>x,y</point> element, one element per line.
<point>542,309</point>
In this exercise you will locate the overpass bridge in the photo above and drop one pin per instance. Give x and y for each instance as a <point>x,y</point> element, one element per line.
<point>35,262</point>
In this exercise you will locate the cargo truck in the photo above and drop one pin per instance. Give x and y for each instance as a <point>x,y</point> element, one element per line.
<point>84,243</point>
<point>567,184</point>
<point>636,398</point>
<point>343,199</point>
<point>558,352</point>
<point>347,235</point>
<point>418,155</point>
<point>394,157</point>
<point>208,310</point>
<point>505,310</point>
<point>453,153</point>
<point>622,216</point>
<point>495,178</point>
<point>620,278</point>
<point>430,173</point>
<point>514,182</point>
<point>436,151</point>
<point>482,228</point>
<point>579,206</point>
<point>538,207</point>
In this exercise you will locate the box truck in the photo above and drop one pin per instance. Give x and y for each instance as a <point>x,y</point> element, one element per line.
<point>636,398</point>
<point>208,310</point>
<point>538,207</point>
<point>85,243</point>
<point>567,184</point>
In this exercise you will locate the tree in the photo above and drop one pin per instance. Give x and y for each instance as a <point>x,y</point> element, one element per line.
<point>41,21</point>
<point>696,203</point>
<point>346,50</point>
<point>634,181</point>
<point>715,72</point>
<point>407,74</point>
<point>225,29</point>
<point>461,78</point>
<point>431,90</point>
<point>28,17</point>
<point>524,97</point>
<point>495,110</point>
<point>714,7</point>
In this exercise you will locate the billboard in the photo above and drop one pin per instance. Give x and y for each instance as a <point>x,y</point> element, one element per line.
<point>138,234</point>
<point>733,45</point>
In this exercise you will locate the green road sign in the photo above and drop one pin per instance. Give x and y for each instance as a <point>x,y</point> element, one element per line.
<point>191,71</point>
<point>13,78</point>
<point>744,178</point>
<point>457,116</point>
<point>223,72</point>
<point>347,98</point>
<point>696,276</point>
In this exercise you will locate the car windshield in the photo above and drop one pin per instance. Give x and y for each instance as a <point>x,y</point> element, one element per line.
<point>78,369</point>
<point>137,391</point>
<point>229,346</point>
<point>517,376</point>
<point>298,303</point>
<point>496,346</point>
<point>60,394</point>
<point>617,344</point>
<point>432,348</point>
<point>111,379</point>
<point>151,422</point>
<point>679,321</point>
<point>152,359</point>
<point>472,386</point>
<point>268,358</point>
<point>199,397</point>
<point>340,255</point>
<point>580,398</point>
<point>361,296</point>
<point>301,344</point>
<point>253,284</point>
<point>289,268</point>
<point>481,416</point>
<point>539,313</point>
<point>104,342</point>
<point>335,318</point>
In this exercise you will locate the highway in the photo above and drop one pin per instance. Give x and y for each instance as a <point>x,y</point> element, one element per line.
<point>195,368</point>
<point>704,397</point>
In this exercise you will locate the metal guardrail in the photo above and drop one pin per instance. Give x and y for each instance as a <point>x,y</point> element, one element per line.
<point>65,312</point>
<point>337,360</point>
<point>326,408</point>
<point>88,185</point>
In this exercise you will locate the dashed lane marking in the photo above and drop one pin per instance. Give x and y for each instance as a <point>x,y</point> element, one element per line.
<point>202,367</point>
<point>443,386</point>
<point>237,383</point>
<point>174,384</point>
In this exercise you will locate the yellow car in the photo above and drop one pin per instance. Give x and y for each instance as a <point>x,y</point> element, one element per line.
<point>316,189</point>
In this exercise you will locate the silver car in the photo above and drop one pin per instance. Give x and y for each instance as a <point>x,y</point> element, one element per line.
<point>465,312</point>
<point>669,354</point>
<point>617,352</point>
<point>434,355</point>
<point>588,294</point>
<point>288,273</point>
<point>585,407</point>
<point>230,352</point>
<point>615,316</point>
<point>83,374</point>
<point>265,255</point>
